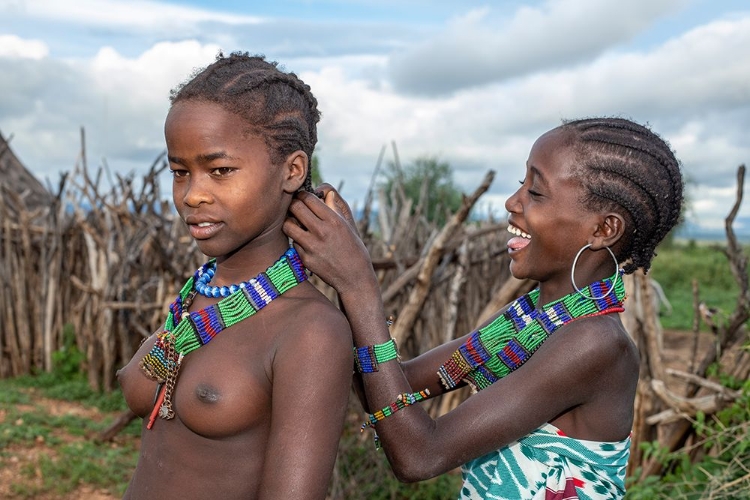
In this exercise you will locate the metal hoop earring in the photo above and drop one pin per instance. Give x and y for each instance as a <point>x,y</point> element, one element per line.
<point>573,273</point>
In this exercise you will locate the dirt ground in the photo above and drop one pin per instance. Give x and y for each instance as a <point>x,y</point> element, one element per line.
<point>678,348</point>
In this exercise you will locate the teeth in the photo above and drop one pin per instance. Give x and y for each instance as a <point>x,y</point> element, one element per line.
<point>204,224</point>
<point>517,232</point>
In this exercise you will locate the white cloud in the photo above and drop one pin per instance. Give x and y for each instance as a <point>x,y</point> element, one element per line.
<point>12,46</point>
<point>136,14</point>
<point>120,103</point>
<point>698,99</point>
<point>712,205</point>
<point>692,89</point>
<point>482,46</point>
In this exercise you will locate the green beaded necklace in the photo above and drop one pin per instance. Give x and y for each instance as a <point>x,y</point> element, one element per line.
<point>184,331</point>
<point>501,347</point>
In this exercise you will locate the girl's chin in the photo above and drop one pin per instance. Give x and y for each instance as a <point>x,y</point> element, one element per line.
<point>519,271</point>
<point>210,251</point>
<point>515,271</point>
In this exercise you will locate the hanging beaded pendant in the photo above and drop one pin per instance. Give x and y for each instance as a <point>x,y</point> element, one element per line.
<point>185,331</point>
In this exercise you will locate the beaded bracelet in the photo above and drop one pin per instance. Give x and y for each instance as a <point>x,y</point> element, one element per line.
<point>402,401</point>
<point>368,357</point>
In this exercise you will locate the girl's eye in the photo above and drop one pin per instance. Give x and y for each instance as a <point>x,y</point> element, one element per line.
<point>176,172</point>
<point>530,191</point>
<point>222,171</point>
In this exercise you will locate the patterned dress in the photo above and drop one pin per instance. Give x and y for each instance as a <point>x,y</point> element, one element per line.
<point>548,465</point>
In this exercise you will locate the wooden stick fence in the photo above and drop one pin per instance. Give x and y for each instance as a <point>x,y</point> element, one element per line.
<point>107,261</point>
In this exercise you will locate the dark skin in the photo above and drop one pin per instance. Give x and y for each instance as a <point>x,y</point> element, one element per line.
<point>582,379</point>
<point>260,409</point>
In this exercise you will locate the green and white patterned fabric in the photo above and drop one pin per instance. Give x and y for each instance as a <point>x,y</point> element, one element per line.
<point>548,465</point>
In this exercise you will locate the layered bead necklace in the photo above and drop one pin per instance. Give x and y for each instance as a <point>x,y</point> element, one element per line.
<point>492,352</point>
<point>185,331</point>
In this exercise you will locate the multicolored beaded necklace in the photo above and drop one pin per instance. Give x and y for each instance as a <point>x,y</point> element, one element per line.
<point>501,347</point>
<point>185,331</point>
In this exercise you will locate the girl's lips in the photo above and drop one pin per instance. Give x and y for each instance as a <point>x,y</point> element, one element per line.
<point>204,231</point>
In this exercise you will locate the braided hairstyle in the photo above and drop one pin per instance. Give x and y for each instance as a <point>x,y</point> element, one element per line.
<point>278,106</point>
<point>624,165</point>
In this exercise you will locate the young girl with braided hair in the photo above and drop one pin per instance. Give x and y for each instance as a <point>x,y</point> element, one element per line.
<point>241,392</point>
<point>555,372</point>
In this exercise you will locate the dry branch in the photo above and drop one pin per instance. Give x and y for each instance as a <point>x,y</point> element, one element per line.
<point>107,262</point>
<point>408,316</point>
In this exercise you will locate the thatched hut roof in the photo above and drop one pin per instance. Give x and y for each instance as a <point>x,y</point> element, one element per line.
<point>16,178</point>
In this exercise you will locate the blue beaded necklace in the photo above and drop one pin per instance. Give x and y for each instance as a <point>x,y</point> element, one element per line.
<point>205,274</point>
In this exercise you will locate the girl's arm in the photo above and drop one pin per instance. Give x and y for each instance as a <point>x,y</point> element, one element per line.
<point>417,446</point>
<point>311,386</point>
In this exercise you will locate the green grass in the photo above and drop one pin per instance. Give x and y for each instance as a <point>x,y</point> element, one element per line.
<point>677,266</point>
<point>71,456</point>
<point>75,389</point>
<point>104,466</point>
<point>74,458</point>
<point>364,472</point>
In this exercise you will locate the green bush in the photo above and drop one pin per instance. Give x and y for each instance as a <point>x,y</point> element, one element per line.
<point>67,361</point>
<point>721,475</point>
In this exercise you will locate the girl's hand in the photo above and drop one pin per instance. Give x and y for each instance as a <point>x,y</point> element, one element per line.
<point>335,202</point>
<point>326,238</point>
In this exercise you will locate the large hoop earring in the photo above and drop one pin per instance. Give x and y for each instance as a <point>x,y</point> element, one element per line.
<point>573,272</point>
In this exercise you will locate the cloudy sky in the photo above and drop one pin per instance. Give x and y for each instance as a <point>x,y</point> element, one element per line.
<point>472,83</point>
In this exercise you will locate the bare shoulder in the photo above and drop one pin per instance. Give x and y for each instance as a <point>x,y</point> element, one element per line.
<point>600,351</point>
<point>314,339</point>
<point>311,318</point>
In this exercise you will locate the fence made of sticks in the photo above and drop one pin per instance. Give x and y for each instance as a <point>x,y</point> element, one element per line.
<point>104,259</point>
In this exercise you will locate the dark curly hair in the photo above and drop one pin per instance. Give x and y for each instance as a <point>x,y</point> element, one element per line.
<point>624,166</point>
<point>277,105</point>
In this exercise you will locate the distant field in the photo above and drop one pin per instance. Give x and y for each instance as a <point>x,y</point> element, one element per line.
<point>677,265</point>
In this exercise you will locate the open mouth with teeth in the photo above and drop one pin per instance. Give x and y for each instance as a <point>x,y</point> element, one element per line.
<point>516,231</point>
<point>519,240</point>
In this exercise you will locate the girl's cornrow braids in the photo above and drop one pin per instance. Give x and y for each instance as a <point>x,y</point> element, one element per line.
<point>672,168</point>
<point>631,194</point>
<point>293,81</point>
<point>615,190</point>
<point>657,154</point>
<point>626,149</point>
<point>313,115</point>
<point>649,188</point>
<point>310,118</point>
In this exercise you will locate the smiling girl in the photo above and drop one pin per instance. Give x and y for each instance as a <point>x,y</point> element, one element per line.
<point>555,372</point>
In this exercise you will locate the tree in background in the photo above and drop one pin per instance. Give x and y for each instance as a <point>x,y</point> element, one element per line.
<point>426,181</point>
<point>317,177</point>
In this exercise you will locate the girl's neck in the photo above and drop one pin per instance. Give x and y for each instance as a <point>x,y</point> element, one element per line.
<point>250,260</point>
<point>554,289</point>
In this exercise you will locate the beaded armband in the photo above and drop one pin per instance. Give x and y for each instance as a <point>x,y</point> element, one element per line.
<point>368,358</point>
<point>402,401</point>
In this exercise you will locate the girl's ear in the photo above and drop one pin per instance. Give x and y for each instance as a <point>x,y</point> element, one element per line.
<point>609,231</point>
<point>295,171</point>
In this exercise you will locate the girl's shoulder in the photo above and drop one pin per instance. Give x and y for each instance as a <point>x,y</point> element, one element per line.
<point>309,316</point>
